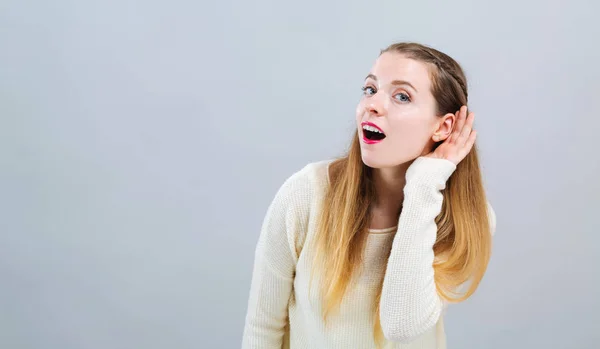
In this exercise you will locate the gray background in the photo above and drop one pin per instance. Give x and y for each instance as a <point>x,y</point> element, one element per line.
<point>142,141</point>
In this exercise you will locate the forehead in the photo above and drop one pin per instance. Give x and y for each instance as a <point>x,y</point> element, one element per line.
<point>392,66</point>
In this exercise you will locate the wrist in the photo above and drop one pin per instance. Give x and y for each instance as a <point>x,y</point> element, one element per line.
<point>425,169</point>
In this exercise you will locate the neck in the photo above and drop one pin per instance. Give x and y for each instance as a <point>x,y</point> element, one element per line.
<point>389,188</point>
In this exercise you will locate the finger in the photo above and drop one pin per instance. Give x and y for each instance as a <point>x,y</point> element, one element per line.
<point>466,130</point>
<point>460,121</point>
<point>470,141</point>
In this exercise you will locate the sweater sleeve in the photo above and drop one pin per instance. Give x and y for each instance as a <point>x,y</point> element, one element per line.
<point>274,268</point>
<point>465,286</point>
<point>410,304</point>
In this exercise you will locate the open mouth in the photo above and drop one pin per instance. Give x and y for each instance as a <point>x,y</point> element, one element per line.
<point>372,133</point>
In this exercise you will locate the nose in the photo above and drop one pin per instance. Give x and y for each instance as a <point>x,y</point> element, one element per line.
<point>376,105</point>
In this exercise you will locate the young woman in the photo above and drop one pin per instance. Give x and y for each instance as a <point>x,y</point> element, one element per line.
<point>365,251</point>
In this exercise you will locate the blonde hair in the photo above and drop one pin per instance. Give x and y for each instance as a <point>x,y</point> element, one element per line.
<point>463,238</point>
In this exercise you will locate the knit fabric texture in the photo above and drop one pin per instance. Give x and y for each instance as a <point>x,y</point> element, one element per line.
<point>284,313</point>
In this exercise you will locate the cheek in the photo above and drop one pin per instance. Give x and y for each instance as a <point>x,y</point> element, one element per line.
<point>410,136</point>
<point>359,111</point>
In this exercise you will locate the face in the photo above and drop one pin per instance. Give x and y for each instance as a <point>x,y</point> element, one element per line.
<point>396,116</point>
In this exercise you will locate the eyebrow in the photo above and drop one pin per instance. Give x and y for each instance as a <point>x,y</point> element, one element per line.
<point>395,82</point>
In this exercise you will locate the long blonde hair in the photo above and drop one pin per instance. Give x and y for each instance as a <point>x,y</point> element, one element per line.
<point>463,241</point>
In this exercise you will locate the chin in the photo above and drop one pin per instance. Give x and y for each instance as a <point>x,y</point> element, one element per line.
<point>374,161</point>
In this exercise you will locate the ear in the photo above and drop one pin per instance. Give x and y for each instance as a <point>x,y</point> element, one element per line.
<point>444,127</point>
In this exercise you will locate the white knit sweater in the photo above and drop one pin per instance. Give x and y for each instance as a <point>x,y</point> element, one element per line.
<point>283,314</point>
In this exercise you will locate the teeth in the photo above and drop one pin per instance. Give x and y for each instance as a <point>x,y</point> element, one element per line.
<point>371,128</point>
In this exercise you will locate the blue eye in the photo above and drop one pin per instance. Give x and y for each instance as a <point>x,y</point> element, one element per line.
<point>368,90</point>
<point>402,97</point>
